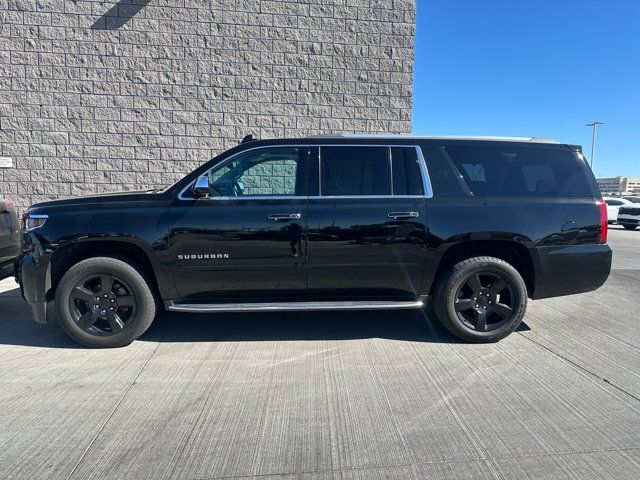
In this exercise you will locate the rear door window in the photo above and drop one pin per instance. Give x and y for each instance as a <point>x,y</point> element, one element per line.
<point>358,171</point>
<point>407,179</point>
<point>513,171</point>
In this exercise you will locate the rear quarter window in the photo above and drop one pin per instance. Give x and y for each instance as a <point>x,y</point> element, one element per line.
<point>513,171</point>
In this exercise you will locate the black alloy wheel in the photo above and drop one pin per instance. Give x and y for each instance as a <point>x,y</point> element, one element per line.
<point>485,301</point>
<point>105,301</point>
<point>480,299</point>
<point>102,304</point>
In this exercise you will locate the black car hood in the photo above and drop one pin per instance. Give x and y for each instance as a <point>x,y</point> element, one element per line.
<point>132,196</point>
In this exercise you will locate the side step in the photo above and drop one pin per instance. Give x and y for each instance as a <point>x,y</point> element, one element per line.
<point>289,306</point>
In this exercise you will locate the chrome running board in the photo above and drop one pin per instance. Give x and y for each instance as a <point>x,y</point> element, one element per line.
<point>289,306</point>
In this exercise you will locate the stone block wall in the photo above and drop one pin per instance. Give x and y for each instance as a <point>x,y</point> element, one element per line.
<point>99,96</point>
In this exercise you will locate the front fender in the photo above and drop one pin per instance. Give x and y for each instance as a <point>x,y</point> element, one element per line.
<point>118,244</point>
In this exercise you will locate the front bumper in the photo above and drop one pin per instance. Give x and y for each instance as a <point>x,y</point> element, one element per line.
<point>33,272</point>
<point>572,269</point>
<point>628,219</point>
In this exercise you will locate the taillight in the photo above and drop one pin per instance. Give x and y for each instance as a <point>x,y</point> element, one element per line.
<point>604,223</point>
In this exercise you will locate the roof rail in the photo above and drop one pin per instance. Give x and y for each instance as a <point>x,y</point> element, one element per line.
<point>436,137</point>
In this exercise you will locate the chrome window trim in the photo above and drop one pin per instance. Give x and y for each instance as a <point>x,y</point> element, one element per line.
<point>426,180</point>
<point>319,173</point>
<point>390,167</point>
<point>353,197</point>
<point>253,197</point>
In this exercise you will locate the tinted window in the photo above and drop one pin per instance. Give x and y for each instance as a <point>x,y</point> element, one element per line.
<point>262,172</point>
<point>520,171</point>
<point>613,203</point>
<point>406,172</point>
<point>354,171</point>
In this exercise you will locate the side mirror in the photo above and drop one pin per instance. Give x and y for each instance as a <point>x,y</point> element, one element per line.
<point>201,187</point>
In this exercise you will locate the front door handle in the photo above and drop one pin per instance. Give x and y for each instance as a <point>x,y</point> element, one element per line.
<point>281,217</point>
<point>397,215</point>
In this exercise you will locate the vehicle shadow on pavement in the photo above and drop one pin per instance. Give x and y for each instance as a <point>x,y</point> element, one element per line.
<point>407,325</point>
<point>18,328</point>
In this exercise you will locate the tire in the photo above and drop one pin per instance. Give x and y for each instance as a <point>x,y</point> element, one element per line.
<point>121,292</point>
<point>501,304</point>
<point>629,227</point>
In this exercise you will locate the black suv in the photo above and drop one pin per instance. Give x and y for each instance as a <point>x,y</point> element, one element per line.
<point>476,225</point>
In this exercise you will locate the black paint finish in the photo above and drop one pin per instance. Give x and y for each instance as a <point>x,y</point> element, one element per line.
<point>356,250</point>
<point>339,248</point>
<point>248,252</point>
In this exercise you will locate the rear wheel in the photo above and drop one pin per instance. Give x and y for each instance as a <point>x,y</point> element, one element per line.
<point>629,227</point>
<point>481,299</point>
<point>105,302</point>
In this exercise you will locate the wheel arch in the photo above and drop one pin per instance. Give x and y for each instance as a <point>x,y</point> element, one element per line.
<point>69,254</point>
<point>512,252</point>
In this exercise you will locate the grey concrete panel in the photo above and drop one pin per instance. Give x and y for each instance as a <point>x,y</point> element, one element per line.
<point>346,395</point>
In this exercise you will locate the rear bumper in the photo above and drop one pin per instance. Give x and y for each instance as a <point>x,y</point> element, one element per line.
<point>573,269</point>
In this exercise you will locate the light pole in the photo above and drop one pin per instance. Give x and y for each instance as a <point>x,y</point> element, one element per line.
<point>593,125</point>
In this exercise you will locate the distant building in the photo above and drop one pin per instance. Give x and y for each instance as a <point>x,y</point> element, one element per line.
<point>619,185</point>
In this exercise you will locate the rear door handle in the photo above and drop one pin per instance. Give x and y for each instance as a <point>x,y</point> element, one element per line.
<point>280,217</point>
<point>397,215</point>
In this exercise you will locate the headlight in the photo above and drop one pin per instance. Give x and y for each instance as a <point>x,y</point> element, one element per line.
<point>32,221</point>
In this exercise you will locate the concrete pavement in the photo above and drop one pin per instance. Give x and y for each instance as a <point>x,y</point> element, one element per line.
<point>331,395</point>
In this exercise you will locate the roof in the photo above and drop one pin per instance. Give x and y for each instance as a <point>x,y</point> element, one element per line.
<point>441,137</point>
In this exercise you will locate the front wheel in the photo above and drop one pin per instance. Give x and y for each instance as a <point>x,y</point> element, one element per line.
<point>481,299</point>
<point>104,302</point>
<point>629,227</point>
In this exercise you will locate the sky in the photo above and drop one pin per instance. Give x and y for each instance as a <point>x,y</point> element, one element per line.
<point>538,68</point>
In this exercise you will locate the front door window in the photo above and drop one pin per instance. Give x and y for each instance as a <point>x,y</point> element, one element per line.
<point>271,172</point>
<point>252,242</point>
